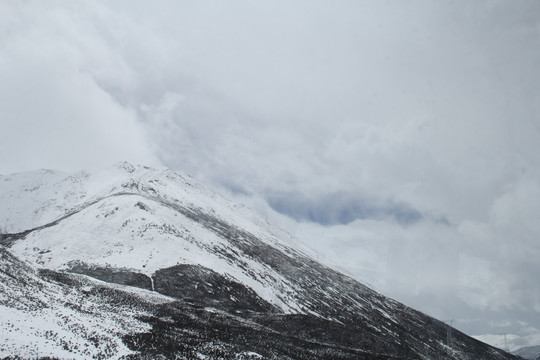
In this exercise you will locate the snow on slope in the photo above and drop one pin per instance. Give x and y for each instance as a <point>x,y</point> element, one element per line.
<point>40,317</point>
<point>36,198</point>
<point>122,218</point>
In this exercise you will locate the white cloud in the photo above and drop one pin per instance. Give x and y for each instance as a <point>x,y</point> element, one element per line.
<point>53,112</point>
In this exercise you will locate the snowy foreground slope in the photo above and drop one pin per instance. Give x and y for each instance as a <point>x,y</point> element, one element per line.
<point>140,263</point>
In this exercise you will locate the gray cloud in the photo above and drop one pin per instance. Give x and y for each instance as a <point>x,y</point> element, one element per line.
<point>430,108</point>
<point>341,208</point>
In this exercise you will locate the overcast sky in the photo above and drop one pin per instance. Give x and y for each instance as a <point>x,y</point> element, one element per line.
<point>398,139</point>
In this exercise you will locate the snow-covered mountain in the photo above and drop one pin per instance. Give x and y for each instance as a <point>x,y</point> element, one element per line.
<point>529,352</point>
<point>139,263</point>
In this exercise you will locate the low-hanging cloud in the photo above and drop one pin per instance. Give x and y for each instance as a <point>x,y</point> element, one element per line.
<point>341,208</point>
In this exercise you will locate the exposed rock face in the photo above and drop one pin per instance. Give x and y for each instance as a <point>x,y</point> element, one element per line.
<point>206,287</point>
<point>112,275</point>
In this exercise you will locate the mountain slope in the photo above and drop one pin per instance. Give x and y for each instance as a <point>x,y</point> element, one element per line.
<point>164,232</point>
<point>44,313</point>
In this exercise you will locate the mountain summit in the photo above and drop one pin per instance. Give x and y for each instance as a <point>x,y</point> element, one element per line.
<point>138,263</point>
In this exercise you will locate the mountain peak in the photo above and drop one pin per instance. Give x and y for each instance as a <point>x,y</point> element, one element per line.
<point>126,166</point>
<point>163,232</point>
